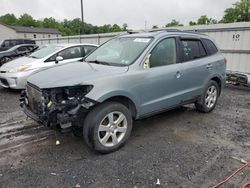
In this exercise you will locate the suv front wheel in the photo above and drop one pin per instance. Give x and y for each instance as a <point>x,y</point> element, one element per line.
<point>107,127</point>
<point>209,98</point>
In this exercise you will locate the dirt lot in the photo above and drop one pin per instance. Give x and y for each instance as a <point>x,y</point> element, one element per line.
<point>181,148</point>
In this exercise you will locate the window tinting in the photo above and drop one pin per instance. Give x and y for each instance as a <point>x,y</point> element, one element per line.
<point>164,53</point>
<point>192,49</point>
<point>211,48</point>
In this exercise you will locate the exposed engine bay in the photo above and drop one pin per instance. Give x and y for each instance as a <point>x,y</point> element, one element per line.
<point>57,106</point>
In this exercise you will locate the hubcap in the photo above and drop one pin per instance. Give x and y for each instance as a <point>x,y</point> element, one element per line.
<point>211,96</point>
<point>112,129</point>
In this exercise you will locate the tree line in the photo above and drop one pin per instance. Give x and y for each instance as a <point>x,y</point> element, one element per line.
<point>239,12</point>
<point>66,27</point>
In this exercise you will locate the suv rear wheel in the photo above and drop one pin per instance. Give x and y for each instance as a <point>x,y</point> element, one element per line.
<point>209,98</point>
<point>107,127</point>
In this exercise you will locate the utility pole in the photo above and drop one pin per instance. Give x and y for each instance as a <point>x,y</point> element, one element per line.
<point>82,28</point>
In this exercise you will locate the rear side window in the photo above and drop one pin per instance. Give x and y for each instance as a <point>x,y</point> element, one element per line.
<point>192,49</point>
<point>211,48</point>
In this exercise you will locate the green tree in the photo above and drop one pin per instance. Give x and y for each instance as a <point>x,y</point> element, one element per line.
<point>9,19</point>
<point>240,12</point>
<point>124,27</point>
<point>192,23</point>
<point>66,27</point>
<point>174,23</point>
<point>203,20</point>
<point>27,20</point>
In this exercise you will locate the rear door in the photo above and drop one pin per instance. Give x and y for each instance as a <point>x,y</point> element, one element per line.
<point>196,67</point>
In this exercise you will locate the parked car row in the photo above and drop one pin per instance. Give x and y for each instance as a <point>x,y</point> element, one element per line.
<point>9,43</point>
<point>16,51</point>
<point>127,78</point>
<point>14,74</point>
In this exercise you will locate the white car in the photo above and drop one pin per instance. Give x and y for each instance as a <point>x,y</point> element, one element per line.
<point>14,74</point>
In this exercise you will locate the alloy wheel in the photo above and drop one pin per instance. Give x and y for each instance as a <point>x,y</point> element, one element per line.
<point>112,129</point>
<point>211,96</point>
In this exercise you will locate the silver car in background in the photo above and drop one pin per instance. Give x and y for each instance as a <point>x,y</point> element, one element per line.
<point>14,74</point>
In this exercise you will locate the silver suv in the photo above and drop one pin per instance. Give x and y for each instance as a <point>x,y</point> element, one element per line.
<point>129,77</point>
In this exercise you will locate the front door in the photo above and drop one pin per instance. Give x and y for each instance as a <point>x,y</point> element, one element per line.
<point>161,86</point>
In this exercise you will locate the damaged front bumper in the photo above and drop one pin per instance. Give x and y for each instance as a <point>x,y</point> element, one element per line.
<point>53,108</point>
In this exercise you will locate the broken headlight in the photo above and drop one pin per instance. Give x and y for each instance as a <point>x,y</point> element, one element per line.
<point>77,91</point>
<point>67,96</point>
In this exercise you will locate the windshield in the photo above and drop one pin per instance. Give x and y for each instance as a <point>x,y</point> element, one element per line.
<point>45,51</point>
<point>119,51</point>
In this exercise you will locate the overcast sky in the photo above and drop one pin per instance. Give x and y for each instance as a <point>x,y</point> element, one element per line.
<point>132,12</point>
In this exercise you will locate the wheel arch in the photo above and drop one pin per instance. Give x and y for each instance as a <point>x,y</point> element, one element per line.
<point>125,100</point>
<point>219,81</point>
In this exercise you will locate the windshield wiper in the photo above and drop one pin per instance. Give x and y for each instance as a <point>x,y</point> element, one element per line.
<point>99,62</point>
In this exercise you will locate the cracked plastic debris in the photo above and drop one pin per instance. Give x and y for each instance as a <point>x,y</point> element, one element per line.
<point>78,185</point>
<point>158,182</point>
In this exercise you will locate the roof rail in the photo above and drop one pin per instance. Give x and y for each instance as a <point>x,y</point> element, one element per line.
<point>194,32</point>
<point>177,30</point>
<point>167,30</point>
<point>132,32</point>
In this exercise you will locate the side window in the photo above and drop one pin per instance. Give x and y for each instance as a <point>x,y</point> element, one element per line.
<point>164,53</point>
<point>70,53</point>
<point>18,42</point>
<point>87,50</point>
<point>21,49</point>
<point>7,44</point>
<point>13,43</point>
<point>211,48</point>
<point>192,49</point>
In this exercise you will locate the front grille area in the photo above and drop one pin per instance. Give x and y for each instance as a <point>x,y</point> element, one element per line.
<point>34,98</point>
<point>4,82</point>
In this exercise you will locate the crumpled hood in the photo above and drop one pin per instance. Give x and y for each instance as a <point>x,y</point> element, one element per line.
<point>16,63</point>
<point>71,74</point>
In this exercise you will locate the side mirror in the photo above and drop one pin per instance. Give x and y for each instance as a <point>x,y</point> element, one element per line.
<point>59,58</point>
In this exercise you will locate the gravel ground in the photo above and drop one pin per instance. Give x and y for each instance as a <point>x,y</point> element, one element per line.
<point>179,148</point>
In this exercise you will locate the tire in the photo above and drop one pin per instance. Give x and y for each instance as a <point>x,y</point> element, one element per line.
<point>209,98</point>
<point>112,135</point>
<point>5,60</point>
<point>2,61</point>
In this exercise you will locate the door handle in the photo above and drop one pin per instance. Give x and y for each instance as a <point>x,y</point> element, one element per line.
<point>178,74</point>
<point>209,66</point>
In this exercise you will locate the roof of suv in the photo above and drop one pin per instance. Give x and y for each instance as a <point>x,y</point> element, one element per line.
<point>161,33</point>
